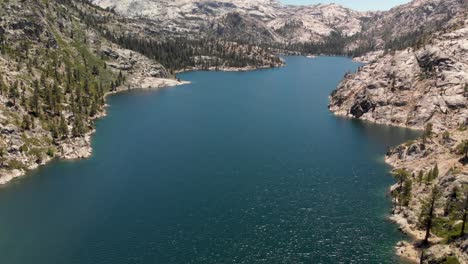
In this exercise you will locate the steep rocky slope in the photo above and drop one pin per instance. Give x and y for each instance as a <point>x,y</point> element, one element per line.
<point>405,25</point>
<point>412,87</point>
<point>260,20</point>
<point>423,88</point>
<point>420,158</point>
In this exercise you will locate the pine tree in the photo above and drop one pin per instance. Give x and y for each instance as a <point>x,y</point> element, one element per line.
<point>402,176</point>
<point>94,109</point>
<point>420,177</point>
<point>465,212</point>
<point>435,172</point>
<point>53,129</point>
<point>63,127</point>
<point>57,99</point>
<point>13,92</point>
<point>462,149</point>
<point>78,127</point>
<point>427,132</point>
<point>3,86</point>
<point>428,177</point>
<point>26,124</point>
<point>427,213</point>
<point>406,192</point>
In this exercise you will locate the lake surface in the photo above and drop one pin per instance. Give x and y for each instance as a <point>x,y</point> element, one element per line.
<point>233,168</point>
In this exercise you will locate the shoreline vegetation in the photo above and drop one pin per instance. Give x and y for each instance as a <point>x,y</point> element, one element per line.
<point>85,150</point>
<point>437,158</point>
<point>443,170</point>
<point>441,153</point>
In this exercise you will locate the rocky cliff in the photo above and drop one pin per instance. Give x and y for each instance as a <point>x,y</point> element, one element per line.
<point>412,87</point>
<point>424,88</point>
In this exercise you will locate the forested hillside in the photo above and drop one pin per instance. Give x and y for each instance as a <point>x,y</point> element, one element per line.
<point>52,81</point>
<point>59,58</point>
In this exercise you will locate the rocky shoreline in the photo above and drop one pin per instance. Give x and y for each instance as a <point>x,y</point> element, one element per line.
<point>422,88</point>
<point>142,77</point>
<point>55,75</point>
<point>416,156</point>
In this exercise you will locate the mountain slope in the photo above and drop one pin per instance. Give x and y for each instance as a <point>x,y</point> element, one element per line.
<point>405,25</point>
<point>58,60</point>
<point>54,74</point>
<point>426,88</point>
<point>412,87</point>
<point>268,22</point>
<point>277,22</point>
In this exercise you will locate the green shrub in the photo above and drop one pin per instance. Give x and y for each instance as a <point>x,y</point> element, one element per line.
<point>16,165</point>
<point>51,152</point>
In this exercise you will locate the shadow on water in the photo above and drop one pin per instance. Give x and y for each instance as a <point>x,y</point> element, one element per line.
<point>389,136</point>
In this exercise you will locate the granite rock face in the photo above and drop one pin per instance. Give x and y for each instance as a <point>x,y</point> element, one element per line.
<point>250,20</point>
<point>412,87</point>
<point>269,21</point>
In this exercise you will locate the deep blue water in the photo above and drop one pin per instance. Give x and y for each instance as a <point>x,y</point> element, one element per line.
<point>233,168</point>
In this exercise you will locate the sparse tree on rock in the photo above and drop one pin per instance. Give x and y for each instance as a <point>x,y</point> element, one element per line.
<point>3,87</point>
<point>403,176</point>
<point>78,127</point>
<point>435,172</point>
<point>35,101</point>
<point>427,213</point>
<point>13,93</point>
<point>26,124</point>
<point>63,127</point>
<point>462,149</point>
<point>420,177</point>
<point>427,132</point>
<point>406,192</point>
<point>465,212</point>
